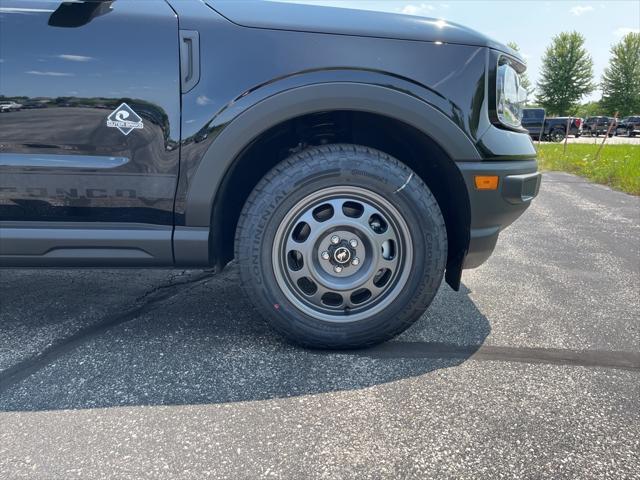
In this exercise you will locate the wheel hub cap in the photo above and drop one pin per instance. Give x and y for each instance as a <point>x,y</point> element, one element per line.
<point>342,255</point>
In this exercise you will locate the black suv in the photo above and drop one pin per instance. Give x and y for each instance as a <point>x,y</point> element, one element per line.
<point>594,126</point>
<point>629,126</point>
<point>345,159</point>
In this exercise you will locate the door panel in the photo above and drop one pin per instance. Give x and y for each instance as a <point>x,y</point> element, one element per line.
<point>69,150</point>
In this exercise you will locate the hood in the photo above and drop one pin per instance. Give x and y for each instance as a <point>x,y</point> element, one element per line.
<point>343,21</point>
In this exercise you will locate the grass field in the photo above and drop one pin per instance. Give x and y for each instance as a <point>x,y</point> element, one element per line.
<point>618,165</point>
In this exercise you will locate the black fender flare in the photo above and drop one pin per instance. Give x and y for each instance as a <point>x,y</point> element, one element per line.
<point>307,99</point>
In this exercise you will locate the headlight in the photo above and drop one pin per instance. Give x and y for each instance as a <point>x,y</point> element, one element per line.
<point>510,96</point>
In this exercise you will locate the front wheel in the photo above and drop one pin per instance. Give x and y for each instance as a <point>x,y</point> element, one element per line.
<point>341,246</point>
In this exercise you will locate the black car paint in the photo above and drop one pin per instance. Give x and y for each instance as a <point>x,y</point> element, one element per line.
<point>258,65</point>
<point>533,120</point>
<point>345,21</point>
<point>629,126</point>
<point>80,72</point>
<point>566,125</point>
<point>599,125</point>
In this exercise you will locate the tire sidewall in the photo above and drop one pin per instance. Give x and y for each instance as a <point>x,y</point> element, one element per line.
<point>358,167</point>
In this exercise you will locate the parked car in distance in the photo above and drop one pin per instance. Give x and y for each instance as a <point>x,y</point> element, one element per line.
<point>315,152</point>
<point>594,126</point>
<point>9,106</point>
<point>532,120</point>
<point>629,126</point>
<point>555,128</point>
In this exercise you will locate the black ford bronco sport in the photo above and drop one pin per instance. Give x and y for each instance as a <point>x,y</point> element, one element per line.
<point>345,159</point>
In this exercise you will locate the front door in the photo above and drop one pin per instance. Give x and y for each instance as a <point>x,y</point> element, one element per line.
<point>90,120</point>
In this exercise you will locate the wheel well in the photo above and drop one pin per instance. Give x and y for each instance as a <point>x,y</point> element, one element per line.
<point>417,150</point>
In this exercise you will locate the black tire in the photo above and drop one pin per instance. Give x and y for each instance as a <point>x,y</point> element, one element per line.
<point>557,135</point>
<point>421,249</point>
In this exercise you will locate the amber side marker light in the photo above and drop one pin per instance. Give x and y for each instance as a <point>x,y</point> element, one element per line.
<point>486,182</point>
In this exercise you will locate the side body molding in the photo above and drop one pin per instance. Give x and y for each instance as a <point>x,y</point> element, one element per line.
<point>237,134</point>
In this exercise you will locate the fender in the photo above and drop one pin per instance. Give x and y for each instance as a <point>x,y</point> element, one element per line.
<point>311,99</point>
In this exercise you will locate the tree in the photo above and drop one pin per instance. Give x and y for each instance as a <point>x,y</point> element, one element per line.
<point>567,74</point>
<point>524,79</point>
<point>621,79</point>
<point>589,109</point>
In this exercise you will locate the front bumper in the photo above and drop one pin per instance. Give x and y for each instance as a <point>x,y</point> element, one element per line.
<point>494,210</point>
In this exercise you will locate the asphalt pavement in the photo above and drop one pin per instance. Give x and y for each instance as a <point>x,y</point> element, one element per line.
<point>532,370</point>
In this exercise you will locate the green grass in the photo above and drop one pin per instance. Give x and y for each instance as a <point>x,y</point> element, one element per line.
<point>618,165</point>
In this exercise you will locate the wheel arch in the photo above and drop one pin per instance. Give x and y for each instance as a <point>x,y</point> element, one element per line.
<point>427,133</point>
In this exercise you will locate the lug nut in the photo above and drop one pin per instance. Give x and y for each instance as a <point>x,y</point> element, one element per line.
<point>337,269</point>
<point>325,255</point>
<point>355,262</point>
<point>335,239</point>
<point>353,242</point>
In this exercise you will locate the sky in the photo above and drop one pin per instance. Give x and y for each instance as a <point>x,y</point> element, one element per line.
<point>531,24</point>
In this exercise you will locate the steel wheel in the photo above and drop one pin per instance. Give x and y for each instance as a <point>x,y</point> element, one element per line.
<point>341,246</point>
<point>342,254</point>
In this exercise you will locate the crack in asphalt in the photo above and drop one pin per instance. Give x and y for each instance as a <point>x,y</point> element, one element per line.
<point>390,350</point>
<point>143,304</point>
<point>169,284</point>
<point>553,356</point>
